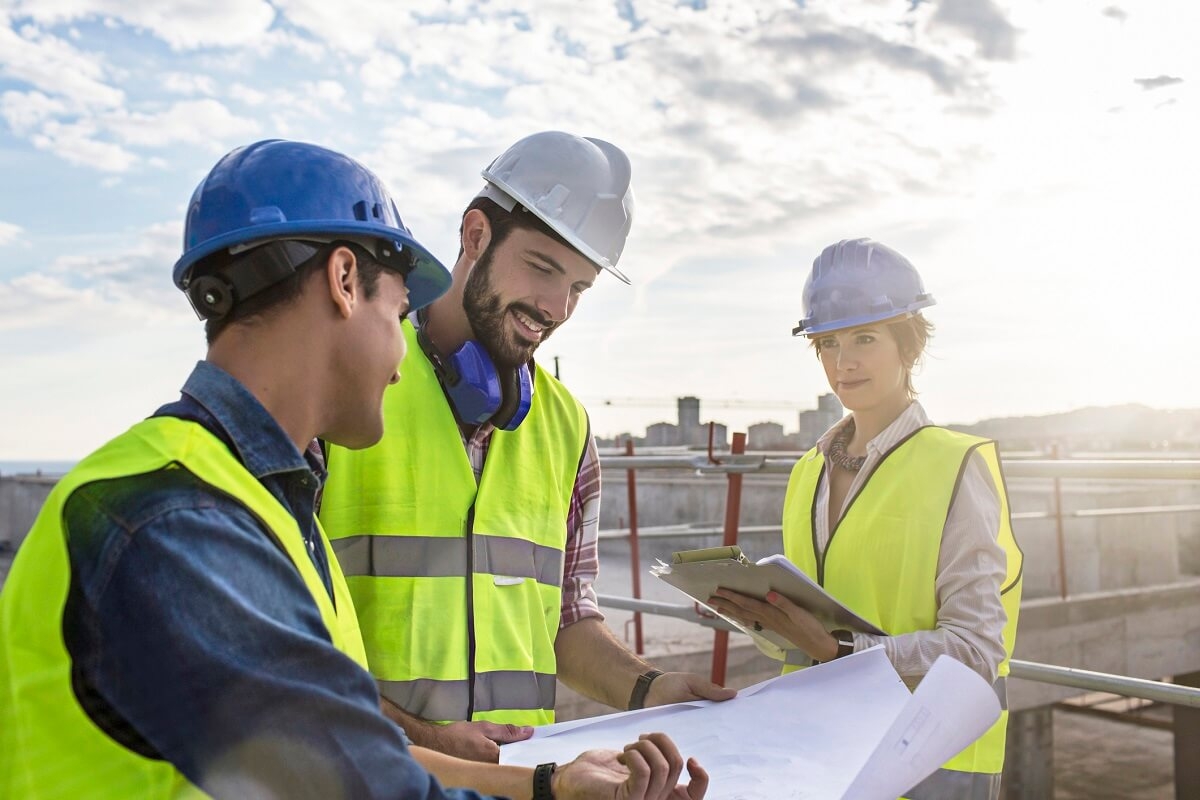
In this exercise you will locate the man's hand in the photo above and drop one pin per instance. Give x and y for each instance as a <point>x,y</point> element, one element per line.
<point>474,741</point>
<point>648,769</point>
<point>676,687</point>
<point>781,615</point>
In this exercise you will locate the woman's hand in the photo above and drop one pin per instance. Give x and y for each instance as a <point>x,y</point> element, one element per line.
<point>780,615</point>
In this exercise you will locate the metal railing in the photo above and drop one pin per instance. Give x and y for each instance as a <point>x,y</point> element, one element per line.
<point>1027,670</point>
<point>736,464</point>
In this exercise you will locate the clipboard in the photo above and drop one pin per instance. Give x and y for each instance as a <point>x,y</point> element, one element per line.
<point>698,573</point>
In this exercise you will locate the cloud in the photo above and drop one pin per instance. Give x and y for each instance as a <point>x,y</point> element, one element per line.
<point>983,21</point>
<point>26,111</point>
<point>325,93</point>
<point>206,123</point>
<point>189,84</point>
<point>182,25</point>
<point>247,95</point>
<point>81,292</point>
<point>57,68</point>
<point>79,143</point>
<point>1157,83</point>
<point>1115,12</point>
<point>9,233</point>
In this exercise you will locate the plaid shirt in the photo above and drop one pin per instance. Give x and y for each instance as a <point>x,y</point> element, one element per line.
<point>581,560</point>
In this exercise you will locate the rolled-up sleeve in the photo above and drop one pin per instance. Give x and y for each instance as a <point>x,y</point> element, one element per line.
<point>581,562</point>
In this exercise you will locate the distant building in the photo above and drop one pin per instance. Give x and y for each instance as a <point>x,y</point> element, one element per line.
<point>815,422</point>
<point>662,434</point>
<point>688,409</point>
<point>765,436</point>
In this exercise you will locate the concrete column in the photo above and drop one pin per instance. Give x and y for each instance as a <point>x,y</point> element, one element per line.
<point>1187,742</point>
<point>1029,755</point>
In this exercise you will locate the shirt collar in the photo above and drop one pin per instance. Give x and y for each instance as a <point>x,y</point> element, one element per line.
<point>910,419</point>
<point>261,444</point>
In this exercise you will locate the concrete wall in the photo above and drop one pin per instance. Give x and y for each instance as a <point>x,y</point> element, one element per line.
<point>1102,553</point>
<point>20,500</point>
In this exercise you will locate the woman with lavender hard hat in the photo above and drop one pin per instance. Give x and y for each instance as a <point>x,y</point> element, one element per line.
<point>905,522</point>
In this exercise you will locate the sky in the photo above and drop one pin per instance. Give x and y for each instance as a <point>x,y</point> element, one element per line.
<point>1036,161</point>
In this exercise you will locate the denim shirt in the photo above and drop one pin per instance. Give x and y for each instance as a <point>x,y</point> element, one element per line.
<point>194,639</point>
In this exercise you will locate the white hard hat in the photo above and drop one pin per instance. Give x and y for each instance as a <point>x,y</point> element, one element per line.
<point>578,186</point>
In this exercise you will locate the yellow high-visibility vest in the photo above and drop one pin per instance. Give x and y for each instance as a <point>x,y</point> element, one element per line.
<point>458,586</point>
<point>49,747</point>
<point>881,558</point>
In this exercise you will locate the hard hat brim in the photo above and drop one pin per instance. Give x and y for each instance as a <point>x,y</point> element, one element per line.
<point>858,322</point>
<point>501,193</point>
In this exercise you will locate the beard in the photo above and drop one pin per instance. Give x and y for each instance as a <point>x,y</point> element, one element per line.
<point>488,315</point>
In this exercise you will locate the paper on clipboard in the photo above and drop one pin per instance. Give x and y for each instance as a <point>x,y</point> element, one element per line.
<point>698,573</point>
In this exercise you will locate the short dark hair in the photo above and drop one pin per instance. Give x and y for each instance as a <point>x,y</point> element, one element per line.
<point>505,222</point>
<point>912,335</point>
<point>289,289</point>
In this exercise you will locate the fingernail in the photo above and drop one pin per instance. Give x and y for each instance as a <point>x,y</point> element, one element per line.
<point>772,597</point>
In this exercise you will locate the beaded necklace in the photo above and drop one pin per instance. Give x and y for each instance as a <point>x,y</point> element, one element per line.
<point>837,449</point>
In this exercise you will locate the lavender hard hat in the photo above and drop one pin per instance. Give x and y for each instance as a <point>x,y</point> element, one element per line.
<point>856,282</point>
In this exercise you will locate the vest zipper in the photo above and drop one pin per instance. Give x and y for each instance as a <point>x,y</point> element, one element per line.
<point>471,611</point>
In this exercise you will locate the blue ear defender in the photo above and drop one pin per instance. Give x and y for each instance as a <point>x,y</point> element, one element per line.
<point>478,390</point>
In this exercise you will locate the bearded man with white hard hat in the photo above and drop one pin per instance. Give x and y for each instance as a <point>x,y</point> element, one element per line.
<point>468,534</point>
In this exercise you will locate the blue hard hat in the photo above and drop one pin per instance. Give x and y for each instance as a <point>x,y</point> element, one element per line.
<point>857,282</point>
<point>277,189</point>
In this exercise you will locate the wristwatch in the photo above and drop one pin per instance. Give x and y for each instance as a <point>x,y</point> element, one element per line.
<point>845,640</point>
<point>543,781</point>
<point>637,699</point>
<point>845,643</point>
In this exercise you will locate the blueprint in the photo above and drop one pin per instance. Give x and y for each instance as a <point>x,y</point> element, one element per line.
<point>846,729</point>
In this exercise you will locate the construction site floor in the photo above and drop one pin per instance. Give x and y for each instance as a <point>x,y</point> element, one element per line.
<point>1105,759</point>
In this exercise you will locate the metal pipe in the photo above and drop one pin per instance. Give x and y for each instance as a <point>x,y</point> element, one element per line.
<point>683,531</point>
<point>1058,529</point>
<point>678,610</point>
<point>1025,670</point>
<point>1104,682</point>
<point>1107,469</point>
<point>634,553</point>
<point>733,511</point>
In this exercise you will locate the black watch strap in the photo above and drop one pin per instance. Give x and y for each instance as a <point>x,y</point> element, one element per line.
<point>845,640</point>
<point>845,643</point>
<point>543,781</point>
<point>637,699</point>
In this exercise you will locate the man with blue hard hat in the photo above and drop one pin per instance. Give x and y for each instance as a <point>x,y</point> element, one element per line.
<point>175,623</point>
<point>468,534</point>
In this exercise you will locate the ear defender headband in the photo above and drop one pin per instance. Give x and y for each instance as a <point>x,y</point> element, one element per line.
<point>478,390</point>
<point>214,295</point>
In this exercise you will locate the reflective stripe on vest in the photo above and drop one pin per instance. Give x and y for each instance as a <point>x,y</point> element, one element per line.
<point>49,747</point>
<point>439,557</point>
<point>494,691</point>
<point>889,579</point>
<point>950,784</point>
<point>458,586</point>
